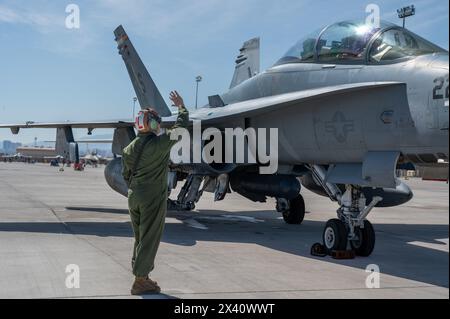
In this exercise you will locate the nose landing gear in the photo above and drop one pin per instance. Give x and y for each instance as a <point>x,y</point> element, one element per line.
<point>351,230</point>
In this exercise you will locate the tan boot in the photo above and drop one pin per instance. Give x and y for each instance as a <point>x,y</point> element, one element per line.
<point>144,285</point>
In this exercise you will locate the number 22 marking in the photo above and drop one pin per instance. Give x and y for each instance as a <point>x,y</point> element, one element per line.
<point>437,94</point>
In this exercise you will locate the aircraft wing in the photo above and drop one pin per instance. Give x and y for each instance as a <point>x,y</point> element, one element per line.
<point>211,116</point>
<point>276,103</point>
<point>89,125</point>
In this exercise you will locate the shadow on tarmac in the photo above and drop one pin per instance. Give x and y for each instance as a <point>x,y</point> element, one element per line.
<point>99,210</point>
<point>393,252</point>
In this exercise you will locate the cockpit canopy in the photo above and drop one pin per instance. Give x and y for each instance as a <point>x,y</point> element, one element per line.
<point>357,42</point>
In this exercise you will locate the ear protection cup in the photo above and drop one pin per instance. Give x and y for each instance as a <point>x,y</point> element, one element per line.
<point>147,119</point>
<point>142,122</point>
<point>153,124</point>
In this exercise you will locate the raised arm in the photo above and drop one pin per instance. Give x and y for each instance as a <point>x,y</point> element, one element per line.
<point>183,113</point>
<point>182,120</point>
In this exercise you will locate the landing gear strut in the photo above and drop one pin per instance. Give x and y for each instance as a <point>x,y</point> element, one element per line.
<point>353,213</point>
<point>293,210</point>
<point>351,230</point>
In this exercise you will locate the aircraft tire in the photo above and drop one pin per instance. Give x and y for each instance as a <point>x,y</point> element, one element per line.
<point>366,243</point>
<point>335,235</point>
<point>296,212</point>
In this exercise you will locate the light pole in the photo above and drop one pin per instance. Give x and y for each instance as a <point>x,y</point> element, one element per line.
<point>406,12</point>
<point>198,79</point>
<point>134,106</point>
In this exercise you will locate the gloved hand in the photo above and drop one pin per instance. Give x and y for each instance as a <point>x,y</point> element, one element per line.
<point>177,99</point>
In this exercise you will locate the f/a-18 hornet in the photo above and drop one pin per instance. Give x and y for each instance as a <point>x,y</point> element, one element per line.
<point>352,103</point>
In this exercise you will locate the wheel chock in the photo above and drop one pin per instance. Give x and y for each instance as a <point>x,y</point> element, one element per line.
<point>343,254</point>
<point>318,250</point>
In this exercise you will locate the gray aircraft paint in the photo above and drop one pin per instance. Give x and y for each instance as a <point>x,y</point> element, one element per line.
<point>343,129</point>
<point>430,119</point>
<point>424,130</point>
<point>326,113</point>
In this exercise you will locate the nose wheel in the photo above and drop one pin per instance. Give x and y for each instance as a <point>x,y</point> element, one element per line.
<point>365,242</point>
<point>336,238</point>
<point>335,235</point>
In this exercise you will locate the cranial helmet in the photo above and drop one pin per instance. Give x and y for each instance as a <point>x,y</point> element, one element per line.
<point>147,120</point>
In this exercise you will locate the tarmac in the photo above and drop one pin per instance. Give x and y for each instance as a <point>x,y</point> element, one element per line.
<point>50,220</point>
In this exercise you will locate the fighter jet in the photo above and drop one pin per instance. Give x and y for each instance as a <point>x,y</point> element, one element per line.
<point>352,103</point>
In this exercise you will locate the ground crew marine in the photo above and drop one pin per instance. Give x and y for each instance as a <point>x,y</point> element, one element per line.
<point>148,155</point>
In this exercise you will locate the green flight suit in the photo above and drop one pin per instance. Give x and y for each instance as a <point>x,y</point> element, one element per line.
<point>147,194</point>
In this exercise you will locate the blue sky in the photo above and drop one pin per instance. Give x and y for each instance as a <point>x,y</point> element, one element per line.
<point>51,73</point>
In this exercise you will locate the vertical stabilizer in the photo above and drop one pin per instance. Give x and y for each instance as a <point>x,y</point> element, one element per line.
<point>247,62</point>
<point>146,90</point>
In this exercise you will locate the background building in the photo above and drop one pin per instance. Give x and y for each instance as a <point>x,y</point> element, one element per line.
<point>37,154</point>
<point>9,148</point>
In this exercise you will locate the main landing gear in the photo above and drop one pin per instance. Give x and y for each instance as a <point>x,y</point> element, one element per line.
<point>293,210</point>
<point>351,230</point>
